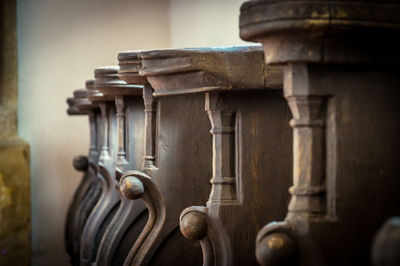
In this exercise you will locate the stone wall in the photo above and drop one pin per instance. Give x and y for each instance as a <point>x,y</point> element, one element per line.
<point>14,152</point>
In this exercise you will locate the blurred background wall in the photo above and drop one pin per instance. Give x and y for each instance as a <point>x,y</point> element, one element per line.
<point>195,23</point>
<point>60,42</point>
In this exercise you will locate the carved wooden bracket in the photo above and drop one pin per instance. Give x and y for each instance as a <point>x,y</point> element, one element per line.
<point>135,185</point>
<point>188,65</point>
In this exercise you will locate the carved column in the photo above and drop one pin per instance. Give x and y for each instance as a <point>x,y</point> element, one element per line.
<point>150,108</point>
<point>223,123</point>
<point>339,82</point>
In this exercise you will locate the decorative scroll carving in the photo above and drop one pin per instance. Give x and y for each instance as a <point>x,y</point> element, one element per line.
<point>150,105</point>
<point>135,185</point>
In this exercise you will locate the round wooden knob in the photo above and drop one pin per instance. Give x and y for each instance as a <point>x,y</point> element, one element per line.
<point>276,249</point>
<point>81,163</point>
<point>131,188</point>
<point>386,246</point>
<point>193,225</point>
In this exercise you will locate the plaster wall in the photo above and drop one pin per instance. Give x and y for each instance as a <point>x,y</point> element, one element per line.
<point>197,23</point>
